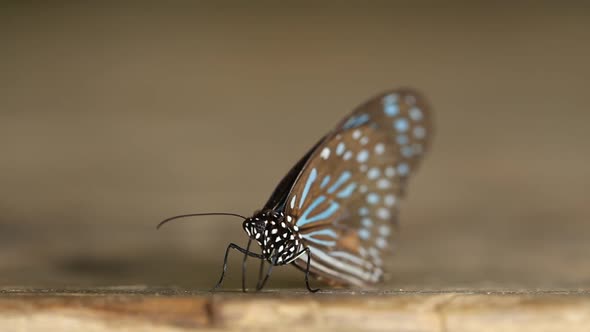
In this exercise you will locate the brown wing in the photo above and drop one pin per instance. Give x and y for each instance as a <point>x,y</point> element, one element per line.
<point>345,201</point>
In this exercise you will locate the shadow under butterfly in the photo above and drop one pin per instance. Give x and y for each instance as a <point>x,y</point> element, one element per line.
<point>335,213</point>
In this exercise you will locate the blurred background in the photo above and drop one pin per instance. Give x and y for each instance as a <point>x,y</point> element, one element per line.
<point>113,117</point>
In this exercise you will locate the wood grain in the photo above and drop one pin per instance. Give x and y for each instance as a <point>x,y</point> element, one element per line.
<point>143,309</point>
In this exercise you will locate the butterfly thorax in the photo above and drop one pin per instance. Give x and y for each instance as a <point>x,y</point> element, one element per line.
<point>279,240</point>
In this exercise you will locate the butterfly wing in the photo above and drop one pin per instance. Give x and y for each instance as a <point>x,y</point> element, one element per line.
<point>344,199</point>
<point>278,198</point>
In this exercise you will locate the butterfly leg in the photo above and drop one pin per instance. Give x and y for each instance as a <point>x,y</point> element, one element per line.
<point>299,254</point>
<point>268,272</point>
<point>273,262</point>
<point>260,274</point>
<point>244,266</point>
<point>307,272</point>
<point>240,249</point>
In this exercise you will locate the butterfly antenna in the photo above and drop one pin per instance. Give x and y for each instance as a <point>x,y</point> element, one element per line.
<point>198,215</point>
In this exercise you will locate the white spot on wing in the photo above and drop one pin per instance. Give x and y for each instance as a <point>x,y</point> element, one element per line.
<point>379,148</point>
<point>389,171</point>
<point>383,184</point>
<point>390,99</point>
<point>403,169</point>
<point>364,233</point>
<point>363,211</point>
<point>372,198</point>
<point>325,153</point>
<point>383,213</point>
<point>356,134</point>
<point>340,148</point>
<point>373,173</point>
<point>401,125</point>
<point>389,200</point>
<point>415,114</point>
<point>362,156</point>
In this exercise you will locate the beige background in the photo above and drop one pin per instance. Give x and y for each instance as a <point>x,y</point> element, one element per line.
<point>114,117</point>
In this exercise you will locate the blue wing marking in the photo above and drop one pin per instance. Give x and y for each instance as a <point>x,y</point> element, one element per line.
<point>325,181</point>
<point>346,192</point>
<point>306,219</point>
<point>356,121</point>
<point>310,180</point>
<point>326,232</point>
<point>341,180</point>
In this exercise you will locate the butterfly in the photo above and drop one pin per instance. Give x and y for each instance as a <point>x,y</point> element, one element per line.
<point>335,214</point>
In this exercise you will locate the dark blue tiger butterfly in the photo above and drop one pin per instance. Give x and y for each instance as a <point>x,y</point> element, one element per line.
<point>335,213</point>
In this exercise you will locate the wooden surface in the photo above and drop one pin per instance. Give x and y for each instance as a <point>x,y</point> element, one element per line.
<point>162,310</point>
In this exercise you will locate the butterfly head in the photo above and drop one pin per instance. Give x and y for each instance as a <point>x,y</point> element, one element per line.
<point>256,225</point>
<point>275,235</point>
